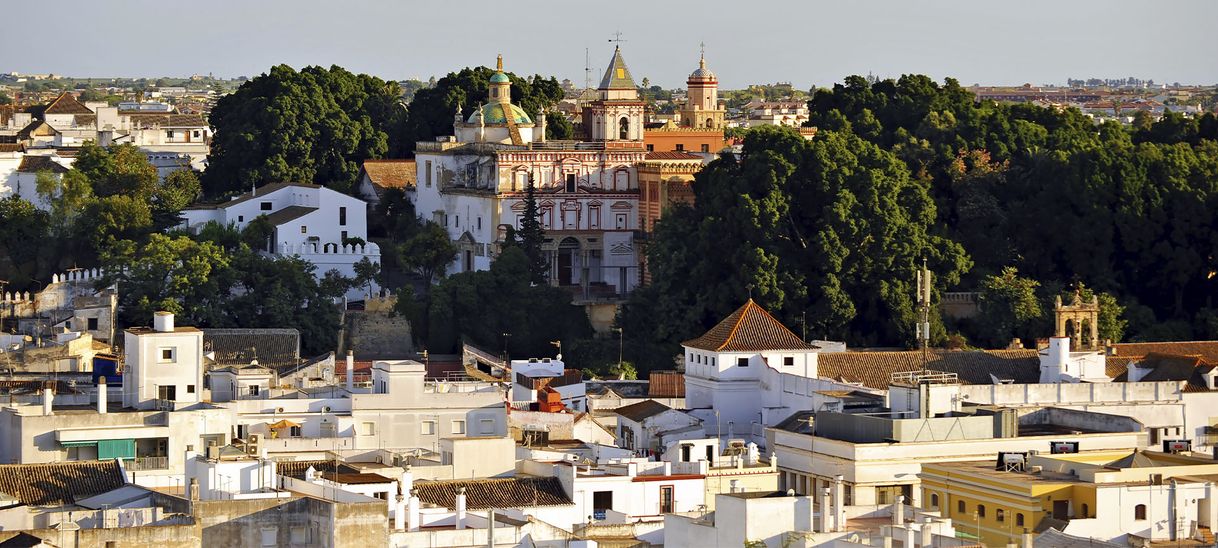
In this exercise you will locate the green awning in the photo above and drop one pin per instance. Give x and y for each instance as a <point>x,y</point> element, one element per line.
<point>115,449</point>
<point>78,443</point>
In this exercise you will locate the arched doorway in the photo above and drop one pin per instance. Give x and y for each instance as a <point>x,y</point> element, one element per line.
<point>568,261</point>
<point>710,123</point>
<point>623,126</point>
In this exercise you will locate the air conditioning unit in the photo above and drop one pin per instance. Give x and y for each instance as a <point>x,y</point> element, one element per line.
<point>213,452</point>
<point>251,444</point>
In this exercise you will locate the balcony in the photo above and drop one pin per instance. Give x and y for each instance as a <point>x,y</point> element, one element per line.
<point>144,464</point>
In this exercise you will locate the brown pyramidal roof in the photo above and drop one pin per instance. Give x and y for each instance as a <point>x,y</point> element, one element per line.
<point>66,103</point>
<point>749,329</point>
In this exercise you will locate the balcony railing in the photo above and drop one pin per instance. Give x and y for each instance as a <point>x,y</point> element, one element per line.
<point>143,464</point>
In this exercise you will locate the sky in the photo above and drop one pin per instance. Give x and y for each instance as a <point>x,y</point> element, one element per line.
<point>806,42</point>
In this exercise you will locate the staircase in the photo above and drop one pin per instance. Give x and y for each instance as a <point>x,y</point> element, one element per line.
<point>1207,536</point>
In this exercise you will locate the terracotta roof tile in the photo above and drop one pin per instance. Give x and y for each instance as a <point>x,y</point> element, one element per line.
<point>34,164</point>
<point>12,147</point>
<point>749,329</point>
<point>875,369</point>
<point>59,483</point>
<point>391,173</point>
<point>481,494</point>
<point>150,119</point>
<point>1207,350</point>
<point>638,412</point>
<point>672,155</point>
<point>274,348</point>
<point>66,103</point>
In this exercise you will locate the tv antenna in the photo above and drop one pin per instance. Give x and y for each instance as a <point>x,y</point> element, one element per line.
<point>617,37</point>
<point>587,70</point>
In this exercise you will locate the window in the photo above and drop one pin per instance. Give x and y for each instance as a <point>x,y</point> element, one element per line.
<point>594,216</point>
<point>1019,520</point>
<point>190,389</point>
<point>960,506</point>
<point>601,501</point>
<point>344,237</point>
<point>1085,511</point>
<point>304,229</point>
<point>742,362</point>
<point>342,216</point>
<point>788,360</point>
<point>666,499</point>
<point>651,148</point>
<point>479,223</point>
<point>623,128</point>
<point>168,355</point>
<point>91,324</point>
<point>680,147</point>
<point>457,221</point>
<point>1139,512</point>
<point>294,431</point>
<point>570,182</point>
<point>458,427</point>
<point>169,133</point>
<point>241,218</point>
<point>196,134</point>
<point>427,168</point>
<point>264,206</point>
<point>367,429</point>
<point>1000,515</point>
<point>705,148</point>
<point>934,501</point>
<point>981,510</point>
<point>486,426</point>
<point>429,428</point>
<point>254,389</point>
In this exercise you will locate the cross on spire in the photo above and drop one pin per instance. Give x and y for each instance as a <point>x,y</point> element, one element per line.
<point>617,37</point>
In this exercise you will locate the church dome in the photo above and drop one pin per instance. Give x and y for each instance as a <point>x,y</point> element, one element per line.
<point>499,78</point>
<point>702,73</point>
<point>493,113</point>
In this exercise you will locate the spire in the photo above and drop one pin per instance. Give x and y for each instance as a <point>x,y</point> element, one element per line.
<point>617,76</point>
<point>702,55</point>
<point>499,63</point>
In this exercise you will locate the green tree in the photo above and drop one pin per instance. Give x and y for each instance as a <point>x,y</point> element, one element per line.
<point>5,99</point>
<point>428,253</point>
<point>173,273</point>
<point>366,272</point>
<point>67,195</point>
<point>316,125</point>
<point>24,230</point>
<point>1008,307</point>
<point>532,236</point>
<point>180,189</point>
<point>558,127</point>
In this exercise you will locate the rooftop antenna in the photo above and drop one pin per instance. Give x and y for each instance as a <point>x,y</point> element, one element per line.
<point>587,70</point>
<point>617,37</point>
<point>923,285</point>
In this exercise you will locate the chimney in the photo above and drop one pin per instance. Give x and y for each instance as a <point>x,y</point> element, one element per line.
<point>101,395</point>
<point>460,508</point>
<point>898,511</point>
<point>490,528</point>
<point>838,508</point>
<point>734,486</point>
<point>192,489</point>
<point>1028,540</point>
<point>48,399</point>
<point>399,514</point>
<point>162,322</point>
<point>350,371</point>
<point>412,509</point>
<point>928,536</point>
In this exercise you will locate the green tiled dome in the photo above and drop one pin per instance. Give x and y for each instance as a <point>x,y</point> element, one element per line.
<point>493,114</point>
<point>499,78</point>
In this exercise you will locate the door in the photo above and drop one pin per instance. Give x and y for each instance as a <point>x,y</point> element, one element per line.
<point>564,267</point>
<point>469,261</point>
<point>1061,509</point>
<point>601,501</point>
<point>666,499</point>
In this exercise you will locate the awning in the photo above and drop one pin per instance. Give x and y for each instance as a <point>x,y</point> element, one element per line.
<point>79,443</point>
<point>284,424</point>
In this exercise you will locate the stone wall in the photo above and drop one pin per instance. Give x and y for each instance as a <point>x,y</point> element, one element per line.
<point>378,335</point>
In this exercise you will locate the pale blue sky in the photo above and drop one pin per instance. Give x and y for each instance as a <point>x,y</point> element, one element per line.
<point>806,42</point>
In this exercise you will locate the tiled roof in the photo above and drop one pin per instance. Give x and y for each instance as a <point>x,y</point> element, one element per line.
<point>11,147</point>
<point>1207,350</point>
<point>59,483</point>
<point>23,540</point>
<point>274,348</point>
<point>391,173</point>
<point>666,384</point>
<point>749,329</point>
<point>1169,367</point>
<point>66,103</point>
<point>260,192</point>
<point>481,494</point>
<point>149,119</point>
<point>85,119</point>
<point>638,412</point>
<point>34,164</point>
<point>297,468</point>
<point>875,369</point>
<point>617,76</point>
<point>289,214</point>
<point>672,155</point>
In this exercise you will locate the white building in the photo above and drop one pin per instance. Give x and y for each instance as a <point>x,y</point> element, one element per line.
<point>163,366</point>
<point>309,221</point>
<point>776,113</point>
<point>532,378</point>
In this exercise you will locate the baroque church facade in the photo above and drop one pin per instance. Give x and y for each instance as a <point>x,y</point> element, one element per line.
<point>588,191</point>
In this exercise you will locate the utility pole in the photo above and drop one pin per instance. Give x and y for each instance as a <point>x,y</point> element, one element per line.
<point>923,285</point>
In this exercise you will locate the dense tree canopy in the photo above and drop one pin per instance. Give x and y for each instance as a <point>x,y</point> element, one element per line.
<point>314,125</point>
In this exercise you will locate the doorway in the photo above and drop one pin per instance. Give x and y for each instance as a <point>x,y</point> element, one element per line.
<point>1061,509</point>
<point>568,250</point>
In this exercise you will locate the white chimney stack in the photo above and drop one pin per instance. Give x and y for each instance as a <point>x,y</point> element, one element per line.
<point>399,514</point>
<point>898,511</point>
<point>460,508</point>
<point>839,509</point>
<point>350,371</point>
<point>825,509</point>
<point>101,395</point>
<point>48,399</point>
<point>928,535</point>
<point>162,322</point>
<point>413,511</point>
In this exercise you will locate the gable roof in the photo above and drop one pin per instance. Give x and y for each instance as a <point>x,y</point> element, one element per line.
<point>274,347</point>
<point>666,384</point>
<point>141,120</point>
<point>639,412</point>
<point>749,329</point>
<point>617,76</point>
<point>289,214</point>
<point>1207,350</point>
<point>34,164</point>
<point>481,494</point>
<point>260,192</point>
<point>59,483</point>
<point>66,103</point>
<point>672,155</point>
<point>390,174</point>
<point>1168,367</point>
<point>12,147</point>
<point>875,369</point>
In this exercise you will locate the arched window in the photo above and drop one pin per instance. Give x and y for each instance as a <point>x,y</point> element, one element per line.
<point>934,500</point>
<point>710,123</point>
<point>623,128</point>
<point>1019,520</point>
<point>1000,515</point>
<point>1139,512</point>
<point>960,506</point>
<point>981,510</point>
